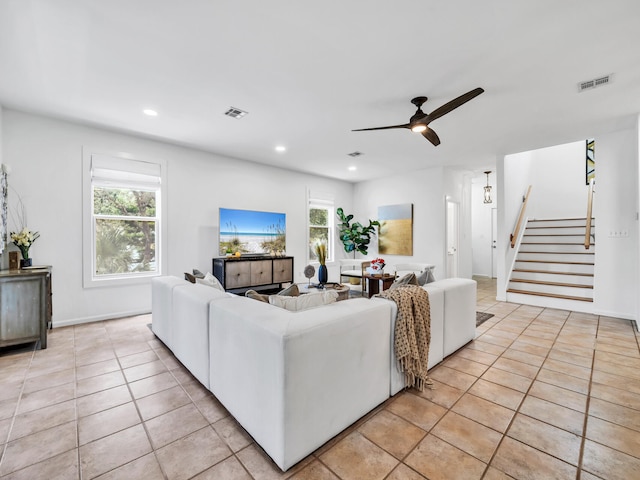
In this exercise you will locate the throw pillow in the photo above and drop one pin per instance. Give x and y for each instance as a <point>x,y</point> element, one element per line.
<point>303,302</point>
<point>425,277</point>
<point>257,296</point>
<point>189,277</point>
<point>291,291</point>
<point>408,279</point>
<point>210,281</point>
<point>197,273</point>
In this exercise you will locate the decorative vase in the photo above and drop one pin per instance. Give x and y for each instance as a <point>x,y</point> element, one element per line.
<point>25,262</point>
<point>323,274</point>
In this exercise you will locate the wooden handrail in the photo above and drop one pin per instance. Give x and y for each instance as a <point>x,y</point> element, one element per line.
<point>514,235</point>
<point>587,233</point>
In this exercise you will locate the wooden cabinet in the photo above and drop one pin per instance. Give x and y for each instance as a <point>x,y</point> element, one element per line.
<point>253,272</point>
<point>283,270</point>
<point>25,306</point>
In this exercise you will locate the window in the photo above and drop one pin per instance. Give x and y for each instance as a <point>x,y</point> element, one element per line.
<point>122,233</point>
<point>320,227</point>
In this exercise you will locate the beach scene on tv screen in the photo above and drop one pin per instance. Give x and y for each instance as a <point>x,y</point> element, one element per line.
<point>250,231</point>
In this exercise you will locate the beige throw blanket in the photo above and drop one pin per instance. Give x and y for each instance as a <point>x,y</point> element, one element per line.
<point>412,333</point>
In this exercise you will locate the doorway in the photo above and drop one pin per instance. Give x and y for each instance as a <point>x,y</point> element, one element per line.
<point>494,244</point>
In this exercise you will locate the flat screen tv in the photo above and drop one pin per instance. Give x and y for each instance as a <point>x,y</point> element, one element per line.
<point>252,232</point>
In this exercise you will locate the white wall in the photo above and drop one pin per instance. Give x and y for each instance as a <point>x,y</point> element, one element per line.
<point>558,175</point>
<point>513,178</point>
<point>426,190</point>
<point>615,209</point>
<point>46,157</point>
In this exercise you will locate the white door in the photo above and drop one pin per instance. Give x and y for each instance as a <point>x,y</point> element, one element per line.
<point>452,238</point>
<point>494,245</point>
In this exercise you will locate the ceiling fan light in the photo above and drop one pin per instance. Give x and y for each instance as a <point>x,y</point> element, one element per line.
<point>419,128</point>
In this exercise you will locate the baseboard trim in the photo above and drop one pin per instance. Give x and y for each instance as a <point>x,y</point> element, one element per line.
<point>98,318</point>
<point>607,313</point>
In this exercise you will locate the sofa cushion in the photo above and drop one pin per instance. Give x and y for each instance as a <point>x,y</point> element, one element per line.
<point>304,302</point>
<point>210,281</point>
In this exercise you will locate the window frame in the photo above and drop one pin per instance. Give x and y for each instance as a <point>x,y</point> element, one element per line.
<point>315,203</point>
<point>90,279</point>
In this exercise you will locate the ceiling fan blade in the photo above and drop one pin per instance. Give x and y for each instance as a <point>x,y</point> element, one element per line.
<point>406,125</point>
<point>431,136</point>
<point>453,104</point>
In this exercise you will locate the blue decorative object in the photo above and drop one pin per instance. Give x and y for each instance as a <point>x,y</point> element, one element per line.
<point>323,274</point>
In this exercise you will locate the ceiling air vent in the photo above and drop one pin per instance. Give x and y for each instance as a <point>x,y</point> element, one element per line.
<point>355,154</point>
<point>235,112</point>
<point>596,82</point>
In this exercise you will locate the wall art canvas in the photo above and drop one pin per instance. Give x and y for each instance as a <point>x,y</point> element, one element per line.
<point>591,159</point>
<point>395,234</point>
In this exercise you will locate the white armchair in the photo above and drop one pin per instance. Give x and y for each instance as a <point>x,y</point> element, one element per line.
<point>354,268</point>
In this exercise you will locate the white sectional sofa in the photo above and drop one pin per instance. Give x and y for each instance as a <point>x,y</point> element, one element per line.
<point>294,380</point>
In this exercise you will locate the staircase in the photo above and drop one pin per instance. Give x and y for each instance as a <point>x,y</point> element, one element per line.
<point>552,267</point>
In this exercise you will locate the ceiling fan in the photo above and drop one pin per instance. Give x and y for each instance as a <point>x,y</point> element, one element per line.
<point>419,121</point>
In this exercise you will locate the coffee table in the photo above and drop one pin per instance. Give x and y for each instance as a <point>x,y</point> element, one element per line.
<point>343,290</point>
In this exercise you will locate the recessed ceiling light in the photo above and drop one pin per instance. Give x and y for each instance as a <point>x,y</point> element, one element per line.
<point>151,113</point>
<point>281,148</point>
<point>353,168</point>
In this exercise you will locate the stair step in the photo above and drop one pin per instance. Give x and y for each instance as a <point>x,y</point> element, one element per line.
<point>558,222</point>
<point>564,248</point>
<point>558,219</point>
<point>564,257</point>
<point>524,270</point>
<point>561,263</point>
<point>553,284</point>
<point>580,268</point>
<point>560,226</point>
<point>553,234</point>
<point>551,295</point>
<point>577,231</point>
<point>557,243</point>
<point>553,277</point>
<point>564,253</point>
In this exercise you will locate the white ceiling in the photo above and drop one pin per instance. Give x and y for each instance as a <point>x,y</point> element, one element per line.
<point>310,72</point>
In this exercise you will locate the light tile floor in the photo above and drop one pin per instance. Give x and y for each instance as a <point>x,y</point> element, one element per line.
<point>540,394</point>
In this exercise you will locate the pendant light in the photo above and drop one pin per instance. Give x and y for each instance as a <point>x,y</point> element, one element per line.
<point>487,189</point>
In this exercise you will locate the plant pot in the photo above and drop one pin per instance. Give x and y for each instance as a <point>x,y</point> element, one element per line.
<point>25,262</point>
<point>323,274</point>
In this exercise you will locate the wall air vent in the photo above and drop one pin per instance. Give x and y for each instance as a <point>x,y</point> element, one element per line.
<point>596,82</point>
<point>355,154</point>
<point>235,112</point>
